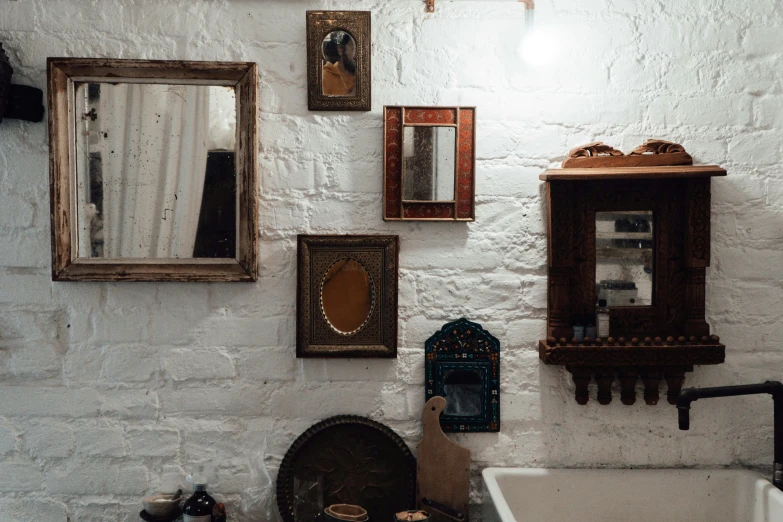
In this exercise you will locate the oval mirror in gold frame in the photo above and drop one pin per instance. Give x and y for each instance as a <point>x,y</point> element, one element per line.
<point>347,296</point>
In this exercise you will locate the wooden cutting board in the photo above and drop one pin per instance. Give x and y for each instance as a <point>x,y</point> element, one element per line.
<point>443,467</point>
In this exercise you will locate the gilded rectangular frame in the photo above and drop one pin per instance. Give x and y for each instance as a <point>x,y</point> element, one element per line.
<point>359,25</point>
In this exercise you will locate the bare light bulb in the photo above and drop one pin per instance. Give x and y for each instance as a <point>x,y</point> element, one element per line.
<point>539,47</point>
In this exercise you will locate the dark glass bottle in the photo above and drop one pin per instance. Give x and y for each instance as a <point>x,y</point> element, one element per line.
<point>199,507</point>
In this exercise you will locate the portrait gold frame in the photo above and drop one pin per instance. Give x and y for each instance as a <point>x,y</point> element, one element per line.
<point>358,24</point>
<point>377,337</point>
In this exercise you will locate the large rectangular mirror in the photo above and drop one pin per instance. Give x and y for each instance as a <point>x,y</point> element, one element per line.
<point>624,263</point>
<point>153,170</point>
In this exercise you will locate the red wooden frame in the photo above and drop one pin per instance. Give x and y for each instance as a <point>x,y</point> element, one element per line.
<point>463,208</point>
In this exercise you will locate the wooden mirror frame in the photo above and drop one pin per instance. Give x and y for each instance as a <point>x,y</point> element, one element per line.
<point>463,207</point>
<point>66,265</point>
<point>658,342</point>
<point>377,337</point>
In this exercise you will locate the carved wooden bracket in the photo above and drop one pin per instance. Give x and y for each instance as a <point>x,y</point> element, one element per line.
<point>653,360</point>
<point>652,153</point>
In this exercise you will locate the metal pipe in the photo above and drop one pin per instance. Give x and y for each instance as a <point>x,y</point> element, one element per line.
<point>774,388</point>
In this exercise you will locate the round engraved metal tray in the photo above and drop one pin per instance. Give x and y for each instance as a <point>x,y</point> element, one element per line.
<point>347,460</point>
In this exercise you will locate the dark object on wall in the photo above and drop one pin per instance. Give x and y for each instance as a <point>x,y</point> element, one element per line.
<point>18,102</point>
<point>347,296</point>
<point>339,54</point>
<point>429,169</point>
<point>348,460</point>
<point>660,341</point>
<point>443,470</point>
<point>463,366</point>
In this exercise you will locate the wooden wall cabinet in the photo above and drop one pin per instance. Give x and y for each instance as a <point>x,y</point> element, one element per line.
<point>659,340</point>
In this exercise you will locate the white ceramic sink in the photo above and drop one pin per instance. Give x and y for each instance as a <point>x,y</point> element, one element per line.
<point>618,495</point>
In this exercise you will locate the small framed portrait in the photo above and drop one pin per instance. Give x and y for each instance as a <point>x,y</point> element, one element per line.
<point>347,296</point>
<point>339,49</point>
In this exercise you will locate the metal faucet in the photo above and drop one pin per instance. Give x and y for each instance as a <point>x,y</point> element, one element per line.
<point>774,388</point>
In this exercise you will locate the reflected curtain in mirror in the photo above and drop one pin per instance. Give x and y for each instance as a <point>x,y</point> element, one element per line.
<point>146,145</point>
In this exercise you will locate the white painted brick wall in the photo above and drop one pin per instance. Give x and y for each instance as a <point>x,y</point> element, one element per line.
<point>110,391</point>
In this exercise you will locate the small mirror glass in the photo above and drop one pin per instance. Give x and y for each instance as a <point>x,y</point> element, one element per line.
<point>462,390</point>
<point>347,296</point>
<point>430,162</point>
<point>338,77</point>
<point>624,258</point>
<point>155,170</point>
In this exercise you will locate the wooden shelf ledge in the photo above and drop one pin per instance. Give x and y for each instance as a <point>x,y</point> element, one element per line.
<point>651,359</point>
<point>598,173</point>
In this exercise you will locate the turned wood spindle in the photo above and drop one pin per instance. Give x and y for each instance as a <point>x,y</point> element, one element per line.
<point>604,378</point>
<point>628,378</point>
<point>651,377</point>
<point>581,378</point>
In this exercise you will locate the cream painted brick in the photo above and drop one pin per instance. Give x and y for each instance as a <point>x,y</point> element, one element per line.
<point>33,360</point>
<point>763,40</point>
<point>135,404</point>
<point>267,364</point>
<point>38,510</point>
<point>48,402</point>
<point>19,475</point>
<point>755,149</point>
<point>98,477</point>
<point>8,438</point>
<point>238,401</point>
<point>133,364</point>
<point>154,442</point>
<point>762,224</point>
<point>105,442</point>
<point>48,440</point>
<point>185,365</point>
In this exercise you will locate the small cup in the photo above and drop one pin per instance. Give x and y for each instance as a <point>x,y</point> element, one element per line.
<point>161,506</point>
<point>345,513</point>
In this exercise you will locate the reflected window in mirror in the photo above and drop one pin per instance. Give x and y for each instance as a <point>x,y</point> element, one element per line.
<point>430,161</point>
<point>624,266</point>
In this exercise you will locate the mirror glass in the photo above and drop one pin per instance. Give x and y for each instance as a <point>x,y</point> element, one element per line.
<point>338,77</point>
<point>347,295</point>
<point>462,390</point>
<point>430,162</point>
<point>156,173</point>
<point>624,258</point>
